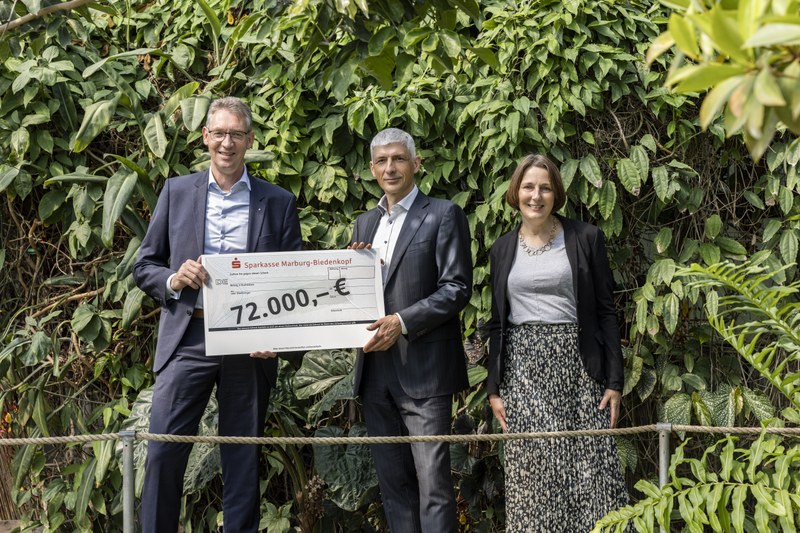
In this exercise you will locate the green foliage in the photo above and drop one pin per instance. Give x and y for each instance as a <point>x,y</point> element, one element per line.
<point>759,318</point>
<point>99,106</point>
<point>729,488</point>
<point>745,54</point>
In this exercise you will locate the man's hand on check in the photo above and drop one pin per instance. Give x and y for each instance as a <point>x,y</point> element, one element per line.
<point>388,330</point>
<point>263,355</point>
<point>190,274</point>
<point>360,246</point>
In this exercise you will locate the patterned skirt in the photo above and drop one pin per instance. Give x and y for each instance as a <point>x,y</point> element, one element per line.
<point>564,484</point>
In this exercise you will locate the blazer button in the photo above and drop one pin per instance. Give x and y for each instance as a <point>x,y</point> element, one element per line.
<point>189,312</point>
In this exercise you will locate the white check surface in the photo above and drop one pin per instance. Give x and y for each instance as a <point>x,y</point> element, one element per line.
<point>285,301</point>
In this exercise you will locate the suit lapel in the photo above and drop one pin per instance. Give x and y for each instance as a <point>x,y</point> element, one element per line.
<point>507,252</point>
<point>200,198</point>
<point>257,212</point>
<point>372,218</point>
<point>414,218</point>
<point>571,244</point>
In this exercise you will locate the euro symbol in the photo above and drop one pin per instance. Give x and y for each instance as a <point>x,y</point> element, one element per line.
<point>339,287</point>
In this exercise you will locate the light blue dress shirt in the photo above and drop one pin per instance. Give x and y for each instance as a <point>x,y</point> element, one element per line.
<point>227,216</point>
<point>227,221</point>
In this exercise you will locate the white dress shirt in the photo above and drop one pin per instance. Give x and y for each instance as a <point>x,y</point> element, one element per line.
<point>388,231</point>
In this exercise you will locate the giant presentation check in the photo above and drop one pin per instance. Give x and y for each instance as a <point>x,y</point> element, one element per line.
<point>284,301</point>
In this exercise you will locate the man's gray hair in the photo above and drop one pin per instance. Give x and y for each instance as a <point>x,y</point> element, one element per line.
<point>233,105</point>
<point>392,136</point>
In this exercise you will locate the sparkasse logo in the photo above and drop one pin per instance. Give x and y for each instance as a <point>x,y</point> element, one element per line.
<point>236,263</point>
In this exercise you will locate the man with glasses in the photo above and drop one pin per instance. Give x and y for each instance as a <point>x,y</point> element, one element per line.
<point>222,210</point>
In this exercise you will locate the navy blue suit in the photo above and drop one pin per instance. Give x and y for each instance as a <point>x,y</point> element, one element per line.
<point>185,376</point>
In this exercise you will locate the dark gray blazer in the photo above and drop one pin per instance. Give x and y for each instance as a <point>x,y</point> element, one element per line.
<point>428,283</point>
<point>598,331</point>
<point>176,233</point>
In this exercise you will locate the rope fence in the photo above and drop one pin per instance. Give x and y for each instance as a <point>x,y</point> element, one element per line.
<point>128,439</point>
<point>485,437</point>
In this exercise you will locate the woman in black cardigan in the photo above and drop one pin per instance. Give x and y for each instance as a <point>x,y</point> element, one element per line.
<point>555,361</point>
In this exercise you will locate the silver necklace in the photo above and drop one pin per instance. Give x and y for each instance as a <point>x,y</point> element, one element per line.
<point>542,249</point>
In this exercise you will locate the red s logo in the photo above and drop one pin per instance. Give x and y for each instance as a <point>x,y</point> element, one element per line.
<point>236,263</point>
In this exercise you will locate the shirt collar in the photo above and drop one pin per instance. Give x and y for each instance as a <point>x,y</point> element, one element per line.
<point>245,179</point>
<point>405,203</point>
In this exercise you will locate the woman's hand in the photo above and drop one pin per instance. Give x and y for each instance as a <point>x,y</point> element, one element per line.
<point>499,410</point>
<point>611,399</point>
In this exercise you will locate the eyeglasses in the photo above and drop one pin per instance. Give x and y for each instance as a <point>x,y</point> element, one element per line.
<point>236,136</point>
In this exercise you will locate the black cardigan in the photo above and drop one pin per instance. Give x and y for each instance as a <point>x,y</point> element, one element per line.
<point>598,331</point>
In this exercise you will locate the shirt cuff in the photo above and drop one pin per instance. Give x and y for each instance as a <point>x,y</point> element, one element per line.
<point>171,293</point>
<point>403,327</point>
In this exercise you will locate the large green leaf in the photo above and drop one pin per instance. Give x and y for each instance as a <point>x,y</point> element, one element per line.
<point>662,183</point>
<point>678,409</point>
<point>767,90</point>
<point>84,485</point>
<point>380,67</point>
<point>155,136</point>
<point>641,160</point>
<point>671,312</point>
<point>758,404</point>
<point>103,452</point>
<point>662,271</point>
<point>470,7</point>
<point>591,170</point>
<point>712,226</point>
<point>607,199</point>
<point>789,245</point>
<point>132,306</point>
<point>193,111</point>
<point>213,20</point>
<point>775,34</point>
<point>116,198</point>
<point>629,176</point>
<point>725,32</point>
<point>38,349</point>
<point>695,78</point>
<point>131,53</point>
<point>682,31</point>
<point>347,470</point>
<point>95,120</point>
<point>731,247</point>
<point>41,410</point>
<point>663,240</point>
<point>7,175</point>
<point>176,99</point>
<point>329,373</point>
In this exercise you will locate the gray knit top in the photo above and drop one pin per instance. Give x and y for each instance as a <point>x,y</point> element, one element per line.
<point>540,287</point>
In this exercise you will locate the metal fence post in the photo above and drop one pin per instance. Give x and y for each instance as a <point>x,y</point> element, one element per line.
<point>664,430</point>
<point>128,480</point>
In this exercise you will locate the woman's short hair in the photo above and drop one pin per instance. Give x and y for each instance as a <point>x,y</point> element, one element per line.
<point>233,105</point>
<point>539,161</point>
